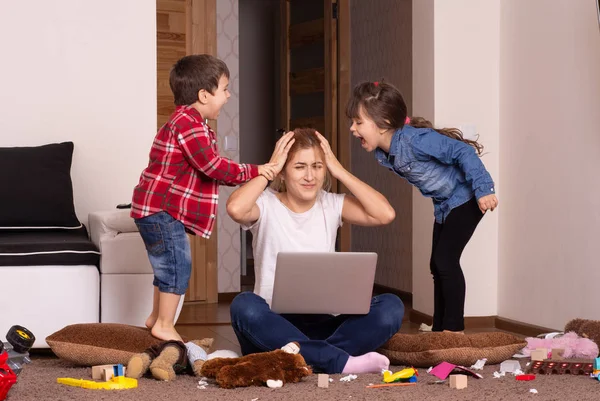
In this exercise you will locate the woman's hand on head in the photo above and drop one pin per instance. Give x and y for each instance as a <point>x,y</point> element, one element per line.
<point>280,154</point>
<point>333,164</point>
<point>488,202</point>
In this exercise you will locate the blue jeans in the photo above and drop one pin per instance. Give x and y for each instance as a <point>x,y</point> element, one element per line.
<point>169,251</point>
<point>326,341</point>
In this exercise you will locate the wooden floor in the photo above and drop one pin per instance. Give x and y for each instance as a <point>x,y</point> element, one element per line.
<point>212,320</point>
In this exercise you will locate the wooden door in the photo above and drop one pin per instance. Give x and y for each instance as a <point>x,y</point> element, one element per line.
<point>315,75</point>
<point>187,27</point>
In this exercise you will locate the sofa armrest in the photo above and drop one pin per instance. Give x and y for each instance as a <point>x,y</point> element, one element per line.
<point>108,224</point>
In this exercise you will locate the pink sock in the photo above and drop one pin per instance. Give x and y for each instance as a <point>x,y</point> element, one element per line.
<point>367,363</point>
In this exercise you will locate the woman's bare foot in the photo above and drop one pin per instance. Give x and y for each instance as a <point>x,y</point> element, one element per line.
<point>165,333</point>
<point>455,332</point>
<point>151,321</point>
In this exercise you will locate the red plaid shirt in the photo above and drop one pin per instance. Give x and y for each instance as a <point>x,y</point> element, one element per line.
<point>184,173</point>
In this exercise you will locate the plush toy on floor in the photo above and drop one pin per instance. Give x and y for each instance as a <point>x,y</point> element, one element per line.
<point>585,328</point>
<point>273,368</point>
<point>573,345</point>
<point>170,358</point>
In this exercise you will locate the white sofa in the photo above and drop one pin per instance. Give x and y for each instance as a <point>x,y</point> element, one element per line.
<point>126,291</point>
<point>44,299</point>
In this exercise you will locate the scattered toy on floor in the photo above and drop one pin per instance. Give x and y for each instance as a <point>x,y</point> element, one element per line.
<point>169,358</point>
<point>116,383</point>
<point>390,385</point>
<point>571,343</point>
<point>285,365</point>
<point>404,376</point>
<point>562,367</point>
<point>323,380</point>
<point>585,328</point>
<point>13,355</point>
<point>458,381</point>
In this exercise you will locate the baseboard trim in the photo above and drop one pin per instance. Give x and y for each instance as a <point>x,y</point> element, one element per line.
<point>227,296</point>
<point>405,296</point>
<point>488,322</point>
<point>529,330</point>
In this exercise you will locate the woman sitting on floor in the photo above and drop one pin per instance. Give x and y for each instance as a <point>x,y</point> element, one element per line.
<point>296,213</point>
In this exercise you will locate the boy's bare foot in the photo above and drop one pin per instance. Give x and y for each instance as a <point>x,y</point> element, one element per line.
<point>151,321</point>
<point>165,333</point>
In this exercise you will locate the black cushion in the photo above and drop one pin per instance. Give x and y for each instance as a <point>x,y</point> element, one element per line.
<point>47,247</point>
<point>36,187</point>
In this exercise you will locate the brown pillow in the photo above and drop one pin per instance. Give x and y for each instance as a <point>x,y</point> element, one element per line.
<point>93,344</point>
<point>429,349</point>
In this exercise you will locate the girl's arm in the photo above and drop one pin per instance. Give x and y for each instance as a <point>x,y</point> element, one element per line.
<point>241,205</point>
<point>451,151</point>
<point>367,207</point>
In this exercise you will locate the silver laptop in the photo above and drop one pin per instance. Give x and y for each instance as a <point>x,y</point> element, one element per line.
<point>324,282</point>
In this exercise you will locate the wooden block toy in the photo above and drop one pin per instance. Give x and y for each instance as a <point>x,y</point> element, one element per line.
<point>539,354</point>
<point>108,373</point>
<point>323,380</point>
<point>97,371</point>
<point>458,381</point>
<point>557,353</point>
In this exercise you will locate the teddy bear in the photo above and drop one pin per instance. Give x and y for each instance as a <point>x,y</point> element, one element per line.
<point>585,328</point>
<point>273,368</point>
<point>169,358</point>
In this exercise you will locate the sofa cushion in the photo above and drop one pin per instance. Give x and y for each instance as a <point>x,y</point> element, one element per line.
<point>100,343</point>
<point>47,247</point>
<point>429,349</point>
<point>37,187</point>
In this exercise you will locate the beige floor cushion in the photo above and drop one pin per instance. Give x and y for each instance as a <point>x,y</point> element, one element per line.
<point>100,343</point>
<point>430,349</point>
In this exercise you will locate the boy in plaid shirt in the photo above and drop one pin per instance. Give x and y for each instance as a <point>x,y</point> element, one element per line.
<point>179,190</point>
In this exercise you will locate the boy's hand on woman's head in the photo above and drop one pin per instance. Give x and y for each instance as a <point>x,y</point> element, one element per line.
<point>269,171</point>
<point>280,154</point>
<point>488,202</point>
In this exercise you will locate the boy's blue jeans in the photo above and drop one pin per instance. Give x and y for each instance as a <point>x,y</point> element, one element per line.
<point>169,251</point>
<point>326,341</point>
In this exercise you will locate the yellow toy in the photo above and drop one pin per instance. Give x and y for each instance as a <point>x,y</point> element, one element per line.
<point>403,375</point>
<point>116,383</point>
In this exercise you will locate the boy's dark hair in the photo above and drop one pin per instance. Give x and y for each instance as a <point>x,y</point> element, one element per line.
<point>383,103</point>
<point>192,73</point>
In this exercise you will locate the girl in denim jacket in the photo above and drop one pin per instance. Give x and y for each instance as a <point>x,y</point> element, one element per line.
<point>443,166</point>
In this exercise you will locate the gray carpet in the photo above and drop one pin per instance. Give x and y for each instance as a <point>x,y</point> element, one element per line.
<point>38,382</point>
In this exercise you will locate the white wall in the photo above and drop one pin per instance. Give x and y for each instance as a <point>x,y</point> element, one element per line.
<point>461,89</point>
<point>550,161</point>
<point>82,72</point>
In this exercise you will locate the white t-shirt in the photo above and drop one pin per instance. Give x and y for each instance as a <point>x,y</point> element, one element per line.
<point>278,229</point>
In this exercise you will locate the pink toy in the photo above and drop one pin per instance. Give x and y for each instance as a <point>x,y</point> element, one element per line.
<point>574,346</point>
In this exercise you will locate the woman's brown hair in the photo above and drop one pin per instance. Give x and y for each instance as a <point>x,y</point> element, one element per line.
<point>304,138</point>
<point>383,103</point>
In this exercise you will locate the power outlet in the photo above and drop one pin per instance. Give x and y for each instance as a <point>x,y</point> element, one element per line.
<point>230,143</point>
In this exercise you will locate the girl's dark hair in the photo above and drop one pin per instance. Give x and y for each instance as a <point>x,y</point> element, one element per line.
<point>383,103</point>
<point>192,73</point>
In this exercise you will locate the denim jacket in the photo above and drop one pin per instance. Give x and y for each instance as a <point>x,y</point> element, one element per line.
<point>444,169</point>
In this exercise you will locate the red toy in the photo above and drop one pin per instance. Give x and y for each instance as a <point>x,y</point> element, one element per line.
<point>13,355</point>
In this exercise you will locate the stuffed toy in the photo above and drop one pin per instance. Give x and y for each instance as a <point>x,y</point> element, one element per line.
<point>573,345</point>
<point>169,358</point>
<point>585,328</point>
<point>273,368</point>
